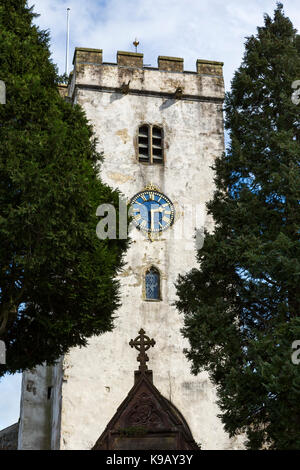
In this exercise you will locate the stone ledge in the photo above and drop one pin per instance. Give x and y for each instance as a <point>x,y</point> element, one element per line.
<point>131,54</point>
<point>173,59</point>
<point>154,93</point>
<point>212,62</point>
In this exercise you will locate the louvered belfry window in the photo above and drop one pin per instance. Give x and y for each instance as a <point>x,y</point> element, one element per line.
<point>150,143</point>
<point>157,152</point>
<point>144,153</point>
<point>152,284</point>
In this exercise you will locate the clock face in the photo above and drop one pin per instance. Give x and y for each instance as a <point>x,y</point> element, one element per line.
<point>152,211</point>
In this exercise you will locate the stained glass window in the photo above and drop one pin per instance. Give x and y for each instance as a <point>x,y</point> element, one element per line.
<point>152,281</point>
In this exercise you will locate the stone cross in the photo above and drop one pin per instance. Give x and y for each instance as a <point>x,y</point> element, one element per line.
<point>142,343</point>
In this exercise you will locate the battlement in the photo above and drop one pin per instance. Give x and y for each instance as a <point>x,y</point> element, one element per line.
<point>88,56</point>
<point>129,75</point>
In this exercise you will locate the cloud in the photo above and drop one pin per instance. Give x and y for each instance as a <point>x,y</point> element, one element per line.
<point>192,29</point>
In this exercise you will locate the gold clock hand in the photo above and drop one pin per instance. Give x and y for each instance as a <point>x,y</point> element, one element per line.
<point>154,211</point>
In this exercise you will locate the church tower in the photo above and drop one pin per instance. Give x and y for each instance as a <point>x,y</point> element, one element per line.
<point>160,130</point>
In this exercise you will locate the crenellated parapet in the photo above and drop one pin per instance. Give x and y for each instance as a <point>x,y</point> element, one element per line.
<point>129,75</point>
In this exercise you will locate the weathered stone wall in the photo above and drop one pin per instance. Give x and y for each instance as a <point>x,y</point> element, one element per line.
<point>34,429</point>
<point>56,402</point>
<point>118,98</point>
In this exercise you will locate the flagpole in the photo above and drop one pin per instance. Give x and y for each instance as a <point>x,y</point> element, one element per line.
<point>67,41</point>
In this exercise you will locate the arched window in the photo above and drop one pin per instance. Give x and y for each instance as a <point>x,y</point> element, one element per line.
<point>150,144</point>
<point>152,284</point>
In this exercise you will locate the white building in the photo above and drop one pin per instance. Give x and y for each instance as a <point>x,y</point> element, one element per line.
<point>160,126</point>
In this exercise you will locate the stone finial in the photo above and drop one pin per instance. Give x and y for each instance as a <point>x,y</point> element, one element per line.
<point>210,67</point>
<point>130,59</point>
<point>170,64</point>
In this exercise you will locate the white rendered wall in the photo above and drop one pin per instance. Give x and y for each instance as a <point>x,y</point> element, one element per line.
<point>34,428</point>
<point>95,380</point>
<point>99,377</point>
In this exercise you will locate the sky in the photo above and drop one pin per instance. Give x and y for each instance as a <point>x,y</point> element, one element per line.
<point>191,29</point>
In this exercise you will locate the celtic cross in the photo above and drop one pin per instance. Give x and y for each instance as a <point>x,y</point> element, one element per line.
<point>142,343</point>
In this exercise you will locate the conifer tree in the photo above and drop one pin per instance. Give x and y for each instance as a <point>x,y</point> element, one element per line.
<point>242,306</point>
<point>57,279</point>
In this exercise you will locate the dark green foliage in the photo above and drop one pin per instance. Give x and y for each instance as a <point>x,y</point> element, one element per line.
<point>241,308</point>
<point>57,279</point>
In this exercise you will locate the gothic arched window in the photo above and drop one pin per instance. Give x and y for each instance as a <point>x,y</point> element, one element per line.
<point>150,144</point>
<point>152,284</point>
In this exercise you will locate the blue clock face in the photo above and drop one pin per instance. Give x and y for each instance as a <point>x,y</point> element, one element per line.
<point>152,211</point>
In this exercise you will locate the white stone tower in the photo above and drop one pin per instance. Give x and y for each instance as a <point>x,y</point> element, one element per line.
<point>154,125</point>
